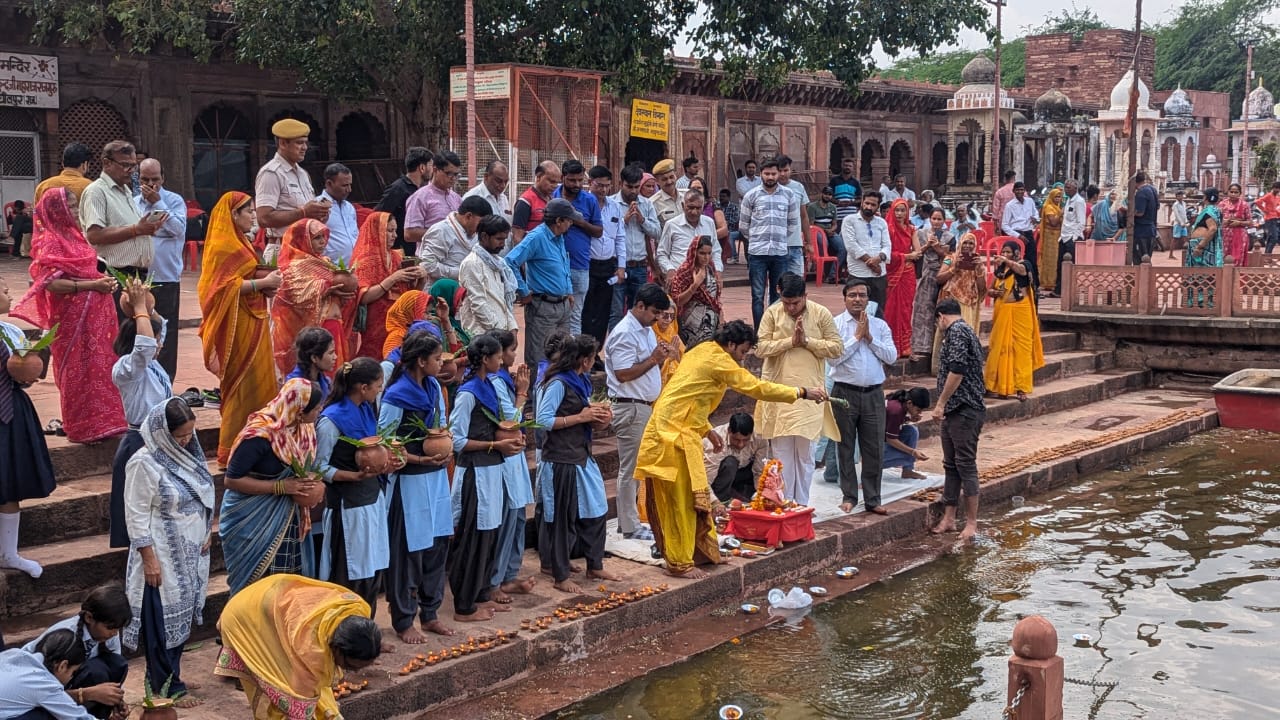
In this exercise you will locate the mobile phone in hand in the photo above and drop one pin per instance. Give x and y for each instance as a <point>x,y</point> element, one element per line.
<point>156,216</point>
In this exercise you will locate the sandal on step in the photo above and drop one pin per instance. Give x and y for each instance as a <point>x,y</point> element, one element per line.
<point>191,396</point>
<point>54,427</point>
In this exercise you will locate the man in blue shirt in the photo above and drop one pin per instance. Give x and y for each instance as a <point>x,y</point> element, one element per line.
<point>1146,203</point>
<point>343,228</point>
<point>167,245</point>
<point>578,239</point>
<point>541,265</point>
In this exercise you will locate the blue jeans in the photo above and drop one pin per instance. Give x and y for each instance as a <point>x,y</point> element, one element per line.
<point>734,238</point>
<point>835,248</point>
<point>636,279</point>
<point>579,280</point>
<point>909,435</point>
<point>758,267</point>
<point>795,260</point>
<point>1272,228</point>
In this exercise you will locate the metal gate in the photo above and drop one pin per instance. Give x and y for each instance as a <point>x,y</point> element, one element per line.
<point>19,169</point>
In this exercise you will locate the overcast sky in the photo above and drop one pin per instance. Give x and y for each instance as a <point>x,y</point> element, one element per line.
<point>1019,16</point>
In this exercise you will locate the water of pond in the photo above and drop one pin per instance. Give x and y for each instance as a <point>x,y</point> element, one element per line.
<point>1171,564</point>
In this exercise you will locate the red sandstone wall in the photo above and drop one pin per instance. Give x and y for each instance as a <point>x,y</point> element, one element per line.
<point>1086,69</point>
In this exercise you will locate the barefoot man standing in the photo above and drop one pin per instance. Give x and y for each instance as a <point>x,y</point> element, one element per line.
<point>678,498</point>
<point>962,412</point>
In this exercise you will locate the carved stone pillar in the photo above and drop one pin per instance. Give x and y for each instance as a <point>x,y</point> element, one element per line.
<point>951,157</point>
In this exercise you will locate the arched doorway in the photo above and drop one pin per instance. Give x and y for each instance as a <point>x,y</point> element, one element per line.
<point>872,159</point>
<point>1189,166</point>
<point>841,148</point>
<point>1171,159</point>
<point>94,123</point>
<point>902,161</point>
<point>962,162</point>
<point>939,163</point>
<point>221,137</point>
<point>360,136</point>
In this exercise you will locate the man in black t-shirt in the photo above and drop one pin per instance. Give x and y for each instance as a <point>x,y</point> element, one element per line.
<point>846,190</point>
<point>962,411</point>
<point>417,168</point>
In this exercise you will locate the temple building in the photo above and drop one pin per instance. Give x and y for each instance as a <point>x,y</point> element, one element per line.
<point>1058,143</point>
<point>1178,133</point>
<point>1259,117</point>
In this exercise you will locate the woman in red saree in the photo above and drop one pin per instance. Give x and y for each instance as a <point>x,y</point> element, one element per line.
<point>69,291</point>
<point>382,280</point>
<point>234,328</point>
<point>309,296</point>
<point>1237,218</point>
<point>901,276</point>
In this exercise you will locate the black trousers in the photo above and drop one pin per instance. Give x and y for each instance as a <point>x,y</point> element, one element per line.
<point>732,481</point>
<point>960,430</point>
<point>164,664</point>
<point>599,302</point>
<point>168,299</point>
<point>570,535</point>
<point>415,580</point>
<point>1064,247</point>
<point>1031,254</point>
<point>862,423</point>
<point>473,553</point>
<point>105,667</point>
<point>366,588</point>
<point>877,292</point>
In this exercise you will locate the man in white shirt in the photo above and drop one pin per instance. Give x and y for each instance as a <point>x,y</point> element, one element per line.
<point>679,232</point>
<point>450,240</point>
<point>633,360</point>
<point>748,180</point>
<point>691,169</point>
<point>866,242</point>
<point>493,189</point>
<point>797,240</point>
<point>1020,217</point>
<point>490,282</point>
<point>1073,217</point>
<point>343,228</point>
<point>167,244</point>
<point>858,378</point>
<point>900,190</point>
<point>733,469</point>
<point>607,267</point>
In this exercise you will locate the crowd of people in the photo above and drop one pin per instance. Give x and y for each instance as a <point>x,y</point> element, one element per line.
<point>336,333</point>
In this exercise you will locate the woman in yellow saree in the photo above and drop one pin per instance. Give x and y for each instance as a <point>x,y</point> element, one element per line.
<point>1050,232</point>
<point>677,496</point>
<point>1016,351</point>
<point>234,328</point>
<point>667,330</point>
<point>288,638</point>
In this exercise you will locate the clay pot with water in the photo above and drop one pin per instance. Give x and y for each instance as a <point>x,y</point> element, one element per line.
<point>346,281</point>
<point>163,710</point>
<point>373,454</point>
<point>438,441</point>
<point>262,271</point>
<point>25,369</point>
<point>507,430</point>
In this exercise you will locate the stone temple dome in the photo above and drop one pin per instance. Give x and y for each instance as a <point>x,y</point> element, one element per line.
<point>1120,94</point>
<point>980,70</point>
<point>1178,104</point>
<point>1210,159</point>
<point>1053,106</point>
<point>1260,103</point>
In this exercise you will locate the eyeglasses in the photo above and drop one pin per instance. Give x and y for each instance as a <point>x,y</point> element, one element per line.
<point>449,173</point>
<point>667,316</point>
<point>123,166</point>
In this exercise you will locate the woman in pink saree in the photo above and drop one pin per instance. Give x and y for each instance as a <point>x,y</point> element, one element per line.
<point>69,291</point>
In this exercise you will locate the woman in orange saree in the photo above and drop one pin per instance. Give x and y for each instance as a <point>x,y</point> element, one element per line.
<point>382,280</point>
<point>234,328</point>
<point>68,290</point>
<point>310,296</point>
<point>901,293</point>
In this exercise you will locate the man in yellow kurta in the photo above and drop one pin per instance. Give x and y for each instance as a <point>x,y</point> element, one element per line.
<point>678,498</point>
<point>797,337</point>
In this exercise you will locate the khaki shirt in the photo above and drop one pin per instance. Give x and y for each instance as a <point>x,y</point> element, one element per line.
<point>106,204</point>
<point>281,186</point>
<point>666,206</point>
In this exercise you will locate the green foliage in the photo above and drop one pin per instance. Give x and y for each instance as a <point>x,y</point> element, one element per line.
<point>1266,167</point>
<point>26,346</point>
<point>1202,48</point>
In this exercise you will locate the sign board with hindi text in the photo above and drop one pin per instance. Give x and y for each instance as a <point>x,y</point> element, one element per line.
<point>649,119</point>
<point>490,84</point>
<point>28,81</point>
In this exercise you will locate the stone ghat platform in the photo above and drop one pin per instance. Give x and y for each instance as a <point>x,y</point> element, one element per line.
<point>1024,457</point>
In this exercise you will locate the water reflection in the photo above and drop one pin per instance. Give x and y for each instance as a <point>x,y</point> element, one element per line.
<point>1171,565</point>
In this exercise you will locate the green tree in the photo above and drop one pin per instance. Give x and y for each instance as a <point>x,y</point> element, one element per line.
<point>1202,47</point>
<point>1266,168</point>
<point>402,49</point>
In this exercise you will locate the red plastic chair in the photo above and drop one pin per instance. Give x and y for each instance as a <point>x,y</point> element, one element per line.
<point>818,253</point>
<point>191,253</point>
<point>987,227</point>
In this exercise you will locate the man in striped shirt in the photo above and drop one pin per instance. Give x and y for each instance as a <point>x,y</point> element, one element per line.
<point>768,217</point>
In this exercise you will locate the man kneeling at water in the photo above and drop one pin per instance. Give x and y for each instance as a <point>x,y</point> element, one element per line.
<point>733,468</point>
<point>900,436</point>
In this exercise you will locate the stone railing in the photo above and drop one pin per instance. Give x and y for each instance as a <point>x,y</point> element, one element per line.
<point>1227,291</point>
<point>1261,259</point>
